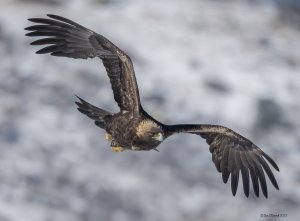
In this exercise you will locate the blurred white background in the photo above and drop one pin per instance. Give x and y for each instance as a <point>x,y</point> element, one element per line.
<point>231,62</point>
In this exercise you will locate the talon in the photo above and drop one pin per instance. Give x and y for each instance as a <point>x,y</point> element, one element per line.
<point>117,149</point>
<point>108,136</point>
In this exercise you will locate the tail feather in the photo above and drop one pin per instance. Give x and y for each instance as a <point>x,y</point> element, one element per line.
<point>95,113</point>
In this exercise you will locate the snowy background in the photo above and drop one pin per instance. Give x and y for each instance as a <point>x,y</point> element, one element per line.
<point>233,62</point>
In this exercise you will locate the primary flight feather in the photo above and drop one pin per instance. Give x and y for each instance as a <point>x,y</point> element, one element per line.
<point>133,128</point>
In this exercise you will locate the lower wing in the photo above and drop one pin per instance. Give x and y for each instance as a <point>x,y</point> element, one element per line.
<point>232,154</point>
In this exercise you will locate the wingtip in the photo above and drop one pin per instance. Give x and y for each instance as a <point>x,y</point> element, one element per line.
<point>265,195</point>
<point>40,52</point>
<point>52,15</point>
<point>271,161</point>
<point>82,111</point>
<point>233,189</point>
<point>275,166</point>
<point>35,20</point>
<point>77,103</point>
<point>79,98</point>
<point>225,176</point>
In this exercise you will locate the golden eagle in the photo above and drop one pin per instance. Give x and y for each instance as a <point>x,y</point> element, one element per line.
<point>133,128</point>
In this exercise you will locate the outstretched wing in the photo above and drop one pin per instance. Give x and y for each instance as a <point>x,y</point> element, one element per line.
<point>68,39</point>
<point>233,153</point>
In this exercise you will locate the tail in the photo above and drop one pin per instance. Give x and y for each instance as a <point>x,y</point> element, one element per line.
<point>95,113</point>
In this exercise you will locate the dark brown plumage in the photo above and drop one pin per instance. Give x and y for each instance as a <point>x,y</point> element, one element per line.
<point>132,128</point>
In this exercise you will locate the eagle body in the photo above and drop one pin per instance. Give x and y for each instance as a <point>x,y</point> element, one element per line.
<point>133,132</point>
<point>132,128</point>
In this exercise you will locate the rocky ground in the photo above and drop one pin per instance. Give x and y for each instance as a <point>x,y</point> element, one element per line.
<point>234,63</point>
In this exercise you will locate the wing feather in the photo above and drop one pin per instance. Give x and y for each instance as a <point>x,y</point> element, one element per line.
<point>66,38</point>
<point>224,164</point>
<point>234,181</point>
<point>232,154</point>
<point>245,177</point>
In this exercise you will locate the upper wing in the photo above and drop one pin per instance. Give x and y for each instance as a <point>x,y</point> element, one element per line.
<point>69,39</point>
<point>233,153</point>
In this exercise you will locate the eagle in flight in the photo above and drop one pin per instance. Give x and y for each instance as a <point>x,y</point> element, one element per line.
<point>132,128</point>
